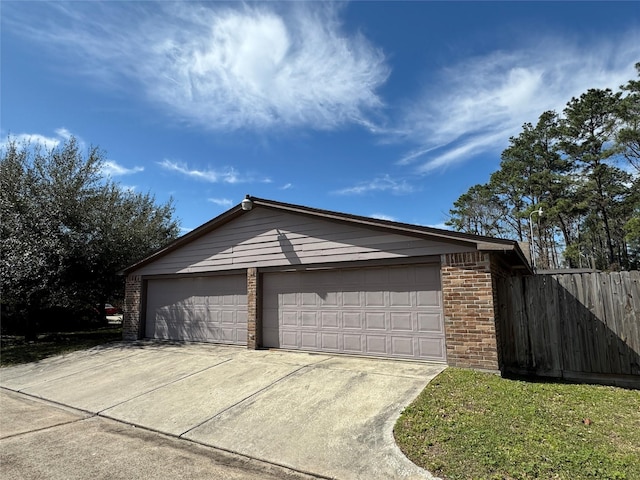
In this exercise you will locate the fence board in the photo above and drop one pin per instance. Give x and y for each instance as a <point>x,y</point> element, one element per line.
<point>572,325</point>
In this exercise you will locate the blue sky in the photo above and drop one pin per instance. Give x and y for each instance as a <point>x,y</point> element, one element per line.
<point>384,109</point>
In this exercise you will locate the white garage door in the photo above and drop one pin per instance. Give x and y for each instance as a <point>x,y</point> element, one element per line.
<point>200,309</point>
<point>391,312</point>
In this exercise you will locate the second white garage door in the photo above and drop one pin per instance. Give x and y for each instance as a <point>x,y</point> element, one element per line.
<point>200,309</point>
<point>391,311</point>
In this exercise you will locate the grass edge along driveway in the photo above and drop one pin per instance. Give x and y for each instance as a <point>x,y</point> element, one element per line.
<point>475,425</point>
<point>14,350</point>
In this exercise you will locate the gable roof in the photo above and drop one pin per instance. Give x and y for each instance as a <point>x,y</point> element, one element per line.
<point>511,248</point>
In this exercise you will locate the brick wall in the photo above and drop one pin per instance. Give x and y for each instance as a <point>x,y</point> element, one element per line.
<point>132,308</point>
<point>469,315</point>
<point>254,318</point>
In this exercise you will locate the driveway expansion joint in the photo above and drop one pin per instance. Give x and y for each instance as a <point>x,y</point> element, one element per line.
<point>213,447</point>
<point>163,386</point>
<point>50,427</point>
<point>253,395</point>
<point>87,413</point>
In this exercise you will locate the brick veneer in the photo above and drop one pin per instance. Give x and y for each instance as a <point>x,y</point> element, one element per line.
<point>132,308</point>
<point>254,318</point>
<point>469,314</point>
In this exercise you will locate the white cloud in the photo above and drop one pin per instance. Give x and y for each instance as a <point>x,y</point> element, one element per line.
<point>286,186</point>
<point>380,184</point>
<point>480,102</point>
<point>223,202</point>
<point>113,169</point>
<point>222,67</point>
<point>382,216</point>
<point>45,141</point>
<point>63,133</point>
<point>37,139</point>
<point>226,175</point>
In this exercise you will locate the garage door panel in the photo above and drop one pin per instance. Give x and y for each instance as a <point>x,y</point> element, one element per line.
<point>330,341</point>
<point>400,276</point>
<point>430,277</point>
<point>428,299</point>
<point>400,299</point>
<point>309,340</point>
<point>309,319</point>
<point>241,318</point>
<point>228,300</point>
<point>375,321</point>
<point>290,319</point>
<point>430,322</point>
<point>352,343</point>
<point>204,309</point>
<point>403,346</point>
<point>330,320</point>
<point>351,299</point>
<point>401,322</point>
<point>432,348</point>
<point>329,299</point>
<point>376,344</point>
<point>350,277</point>
<point>289,299</point>
<point>228,317</point>
<point>309,299</point>
<point>384,311</point>
<point>375,277</point>
<point>374,299</point>
<point>352,320</point>
<point>290,340</point>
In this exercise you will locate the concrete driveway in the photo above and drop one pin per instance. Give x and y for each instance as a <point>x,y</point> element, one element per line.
<point>325,415</point>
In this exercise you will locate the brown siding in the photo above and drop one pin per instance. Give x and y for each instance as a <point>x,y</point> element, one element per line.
<point>469,316</point>
<point>263,237</point>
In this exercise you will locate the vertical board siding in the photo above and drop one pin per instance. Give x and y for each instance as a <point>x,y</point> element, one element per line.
<point>576,326</point>
<point>262,238</point>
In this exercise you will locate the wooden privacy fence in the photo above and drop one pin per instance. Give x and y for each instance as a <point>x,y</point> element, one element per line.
<point>575,326</point>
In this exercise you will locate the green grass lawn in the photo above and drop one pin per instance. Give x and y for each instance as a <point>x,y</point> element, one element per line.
<point>15,350</point>
<point>473,425</point>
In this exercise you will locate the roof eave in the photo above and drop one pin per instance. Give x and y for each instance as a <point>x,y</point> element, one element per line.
<point>187,238</point>
<point>479,242</point>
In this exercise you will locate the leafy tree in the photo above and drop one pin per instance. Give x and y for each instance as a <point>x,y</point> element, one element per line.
<point>478,211</point>
<point>588,130</point>
<point>533,174</point>
<point>66,230</point>
<point>570,166</point>
<point>628,137</point>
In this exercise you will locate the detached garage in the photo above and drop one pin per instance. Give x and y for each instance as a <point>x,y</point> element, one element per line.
<point>272,275</point>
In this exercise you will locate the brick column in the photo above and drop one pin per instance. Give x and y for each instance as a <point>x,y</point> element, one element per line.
<point>132,308</point>
<point>469,313</point>
<point>254,309</point>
